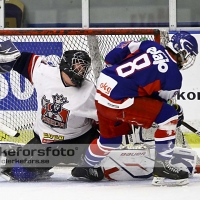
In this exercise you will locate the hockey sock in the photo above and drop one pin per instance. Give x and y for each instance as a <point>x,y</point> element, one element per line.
<point>100,148</point>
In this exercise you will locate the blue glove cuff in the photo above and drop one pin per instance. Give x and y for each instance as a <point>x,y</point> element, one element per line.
<point>20,173</point>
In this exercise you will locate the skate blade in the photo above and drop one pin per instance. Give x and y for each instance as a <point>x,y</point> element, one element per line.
<point>44,176</point>
<point>72,178</point>
<point>160,181</point>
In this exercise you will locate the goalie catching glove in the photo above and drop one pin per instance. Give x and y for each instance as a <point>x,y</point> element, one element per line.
<point>179,110</point>
<point>8,56</point>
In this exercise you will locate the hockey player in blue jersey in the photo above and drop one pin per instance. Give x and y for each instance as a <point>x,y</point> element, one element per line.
<point>134,89</point>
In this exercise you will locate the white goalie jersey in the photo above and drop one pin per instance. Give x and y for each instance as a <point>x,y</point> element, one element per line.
<point>63,112</point>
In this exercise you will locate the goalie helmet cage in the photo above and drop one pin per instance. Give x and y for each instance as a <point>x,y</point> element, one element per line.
<point>18,98</point>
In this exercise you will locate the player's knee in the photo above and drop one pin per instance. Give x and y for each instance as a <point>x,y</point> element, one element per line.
<point>167,119</point>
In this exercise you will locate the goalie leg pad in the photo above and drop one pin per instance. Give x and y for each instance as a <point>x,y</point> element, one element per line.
<point>185,159</point>
<point>129,165</point>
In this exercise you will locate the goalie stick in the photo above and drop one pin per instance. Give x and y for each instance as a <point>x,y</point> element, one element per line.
<point>191,128</point>
<point>8,130</point>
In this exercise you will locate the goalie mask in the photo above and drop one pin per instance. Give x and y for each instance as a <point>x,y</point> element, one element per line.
<point>76,64</point>
<point>184,45</point>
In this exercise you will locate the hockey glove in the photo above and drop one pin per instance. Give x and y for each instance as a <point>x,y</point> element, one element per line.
<point>8,56</point>
<point>179,110</point>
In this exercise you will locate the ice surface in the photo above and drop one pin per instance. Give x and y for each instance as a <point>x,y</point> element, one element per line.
<point>59,188</point>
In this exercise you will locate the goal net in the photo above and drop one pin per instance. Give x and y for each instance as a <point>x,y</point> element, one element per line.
<point>17,96</point>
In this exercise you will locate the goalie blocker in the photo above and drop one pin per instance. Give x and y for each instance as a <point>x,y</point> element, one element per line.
<point>8,56</point>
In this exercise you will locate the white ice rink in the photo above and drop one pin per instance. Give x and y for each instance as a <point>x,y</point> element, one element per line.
<point>59,188</point>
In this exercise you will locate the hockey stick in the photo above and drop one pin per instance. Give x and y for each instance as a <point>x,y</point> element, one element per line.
<point>8,131</point>
<point>191,128</point>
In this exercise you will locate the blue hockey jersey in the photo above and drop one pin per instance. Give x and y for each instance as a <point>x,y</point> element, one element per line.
<point>137,69</point>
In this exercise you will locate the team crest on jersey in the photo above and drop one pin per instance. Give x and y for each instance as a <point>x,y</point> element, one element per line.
<point>54,114</point>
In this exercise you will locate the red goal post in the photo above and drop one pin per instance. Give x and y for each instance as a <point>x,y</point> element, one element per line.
<point>17,96</point>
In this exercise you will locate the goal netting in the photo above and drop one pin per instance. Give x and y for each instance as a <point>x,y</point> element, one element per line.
<point>17,96</point>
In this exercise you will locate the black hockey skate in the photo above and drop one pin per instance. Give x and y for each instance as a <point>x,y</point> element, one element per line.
<point>88,173</point>
<point>165,170</point>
